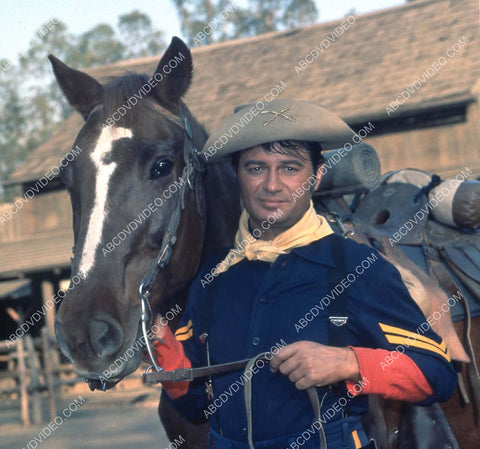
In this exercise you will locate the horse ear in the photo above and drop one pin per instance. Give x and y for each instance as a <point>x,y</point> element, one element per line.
<point>82,91</point>
<point>174,72</point>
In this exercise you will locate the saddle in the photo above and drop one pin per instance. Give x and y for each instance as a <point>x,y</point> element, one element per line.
<point>409,216</point>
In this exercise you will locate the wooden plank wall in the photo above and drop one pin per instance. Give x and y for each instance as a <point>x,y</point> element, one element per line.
<point>444,150</point>
<point>46,212</point>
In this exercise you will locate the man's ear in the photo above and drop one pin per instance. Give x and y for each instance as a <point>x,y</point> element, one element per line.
<point>318,177</point>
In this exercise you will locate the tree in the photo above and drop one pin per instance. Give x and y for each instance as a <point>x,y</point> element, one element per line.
<point>195,15</point>
<point>232,21</point>
<point>12,124</point>
<point>138,35</point>
<point>299,13</point>
<point>57,40</point>
<point>99,46</point>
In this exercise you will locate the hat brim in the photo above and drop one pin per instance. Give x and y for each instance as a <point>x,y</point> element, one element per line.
<point>253,124</point>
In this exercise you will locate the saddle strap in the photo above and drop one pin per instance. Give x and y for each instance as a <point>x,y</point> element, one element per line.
<point>473,376</point>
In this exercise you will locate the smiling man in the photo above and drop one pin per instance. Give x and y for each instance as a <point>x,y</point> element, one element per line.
<point>270,174</point>
<point>331,314</point>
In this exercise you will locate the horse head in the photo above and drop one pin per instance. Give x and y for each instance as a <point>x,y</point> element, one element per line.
<point>124,185</point>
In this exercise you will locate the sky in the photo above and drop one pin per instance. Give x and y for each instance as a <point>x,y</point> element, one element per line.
<point>20,19</point>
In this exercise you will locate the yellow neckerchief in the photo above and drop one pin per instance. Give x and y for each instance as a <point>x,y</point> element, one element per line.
<point>309,228</point>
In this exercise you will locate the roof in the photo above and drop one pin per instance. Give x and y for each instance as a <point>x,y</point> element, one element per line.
<point>362,67</point>
<point>44,252</point>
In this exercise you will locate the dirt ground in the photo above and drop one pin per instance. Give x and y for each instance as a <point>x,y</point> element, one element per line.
<point>86,420</point>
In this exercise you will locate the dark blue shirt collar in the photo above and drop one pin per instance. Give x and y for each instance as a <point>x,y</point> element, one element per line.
<point>319,251</point>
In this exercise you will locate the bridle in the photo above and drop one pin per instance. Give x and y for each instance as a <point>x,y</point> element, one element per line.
<point>188,180</point>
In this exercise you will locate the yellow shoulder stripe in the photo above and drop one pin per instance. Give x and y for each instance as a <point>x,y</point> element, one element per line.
<point>184,337</point>
<point>401,336</point>
<point>184,329</point>
<point>404,333</point>
<point>394,339</point>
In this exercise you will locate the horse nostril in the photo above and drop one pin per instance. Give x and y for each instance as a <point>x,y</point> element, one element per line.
<point>59,334</point>
<point>106,337</point>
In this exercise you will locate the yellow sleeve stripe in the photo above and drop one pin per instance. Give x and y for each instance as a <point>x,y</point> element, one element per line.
<point>394,339</point>
<point>356,440</point>
<point>184,329</point>
<point>402,332</point>
<point>184,337</point>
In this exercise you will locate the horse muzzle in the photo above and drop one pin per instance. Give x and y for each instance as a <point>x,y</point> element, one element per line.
<point>102,354</point>
<point>102,384</point>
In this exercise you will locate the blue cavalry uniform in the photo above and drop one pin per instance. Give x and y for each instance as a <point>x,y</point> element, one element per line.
<point>257,306</point>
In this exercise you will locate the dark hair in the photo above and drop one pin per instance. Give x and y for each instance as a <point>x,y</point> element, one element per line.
<point>289,147</point>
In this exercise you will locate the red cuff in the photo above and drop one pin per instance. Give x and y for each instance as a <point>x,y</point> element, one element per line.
<point>389,374</point>
<point>170,356</point>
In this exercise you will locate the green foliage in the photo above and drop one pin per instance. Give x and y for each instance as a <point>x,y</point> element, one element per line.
<point>203,21</point>
<point>12,125</point>
<point>99,46</point>
<point>138,35</point>
<point>196,14</point>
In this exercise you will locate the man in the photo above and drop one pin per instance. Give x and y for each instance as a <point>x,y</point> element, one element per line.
<point>336,315</point>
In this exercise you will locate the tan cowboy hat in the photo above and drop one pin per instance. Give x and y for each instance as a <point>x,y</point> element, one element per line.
<point>257,123</point>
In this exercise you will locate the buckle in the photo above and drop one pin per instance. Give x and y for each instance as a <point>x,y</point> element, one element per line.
<point>182,374</point>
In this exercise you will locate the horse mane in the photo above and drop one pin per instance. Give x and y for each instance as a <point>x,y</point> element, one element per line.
<point>120,91</point>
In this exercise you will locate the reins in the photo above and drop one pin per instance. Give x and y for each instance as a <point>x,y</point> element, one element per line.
<point>189,374</point>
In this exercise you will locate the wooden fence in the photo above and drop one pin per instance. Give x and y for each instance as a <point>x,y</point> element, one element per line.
<point>33,367</point>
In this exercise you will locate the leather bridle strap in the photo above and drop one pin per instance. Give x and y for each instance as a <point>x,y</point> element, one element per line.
<point>193,165</point>
<point>174,118</point>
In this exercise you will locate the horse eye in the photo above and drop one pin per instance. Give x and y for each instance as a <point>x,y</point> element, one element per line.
<point>162,167</point>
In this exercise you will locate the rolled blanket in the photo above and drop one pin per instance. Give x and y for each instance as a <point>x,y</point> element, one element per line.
<point>358,167</point>
<point>454,203</point>
<point>461,204</point>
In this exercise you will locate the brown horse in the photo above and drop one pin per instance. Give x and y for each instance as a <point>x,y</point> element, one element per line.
<point>124,188</point>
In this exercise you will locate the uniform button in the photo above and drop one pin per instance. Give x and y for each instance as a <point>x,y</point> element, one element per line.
<point>263,300</point>
<point>243,432</point>
<point>255,341</point>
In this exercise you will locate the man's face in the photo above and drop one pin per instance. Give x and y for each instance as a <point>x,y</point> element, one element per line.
<point>272,182</point>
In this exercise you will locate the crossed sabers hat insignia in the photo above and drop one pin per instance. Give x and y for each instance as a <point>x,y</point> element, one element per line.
<point>278,114</point>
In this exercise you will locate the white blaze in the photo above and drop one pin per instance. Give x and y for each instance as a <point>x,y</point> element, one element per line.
<point>99,212</point>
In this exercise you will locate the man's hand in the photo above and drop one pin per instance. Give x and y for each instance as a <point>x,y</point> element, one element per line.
<point>309,364</point>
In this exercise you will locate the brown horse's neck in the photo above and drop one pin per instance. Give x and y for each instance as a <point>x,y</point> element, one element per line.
<point>222,206</point>
<point>220,197</point>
